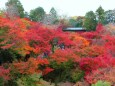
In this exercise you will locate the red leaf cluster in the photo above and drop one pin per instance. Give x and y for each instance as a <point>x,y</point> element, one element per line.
<point>4,73</point>
<point>32,66</point>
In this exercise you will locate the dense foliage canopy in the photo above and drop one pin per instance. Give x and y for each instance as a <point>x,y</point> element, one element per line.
<point>30,49</point>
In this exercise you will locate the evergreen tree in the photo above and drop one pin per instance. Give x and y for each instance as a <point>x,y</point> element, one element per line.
<point>54,16</point>
<point>37,14</point>
<point>100,15</point>
<point>53,12</point>
<point>90,21</point>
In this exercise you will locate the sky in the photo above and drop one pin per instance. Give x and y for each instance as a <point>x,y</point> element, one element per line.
<point>66,7</point>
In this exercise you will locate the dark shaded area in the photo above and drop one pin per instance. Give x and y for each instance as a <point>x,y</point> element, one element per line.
<point>27,56</point>
<point>8,55</point>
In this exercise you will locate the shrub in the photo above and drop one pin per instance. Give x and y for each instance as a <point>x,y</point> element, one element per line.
<point>90,51</point>
<point>28,80</point>
<point>77,74</point>
<point>8,56</point>
<point>61,72</point>
<point>4,73</point>
<point>104,74</point>
<point>32,66</point>
<point>89,64</point>
<point>101,83</point>
<point>1,81</point>
<point>61,56</point>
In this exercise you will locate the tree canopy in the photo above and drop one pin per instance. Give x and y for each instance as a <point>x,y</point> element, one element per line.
<point>15,8</point>
<point>90,21</point>
<point>100,15</point>
<point>37,14</point>
<point>53,12</point>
